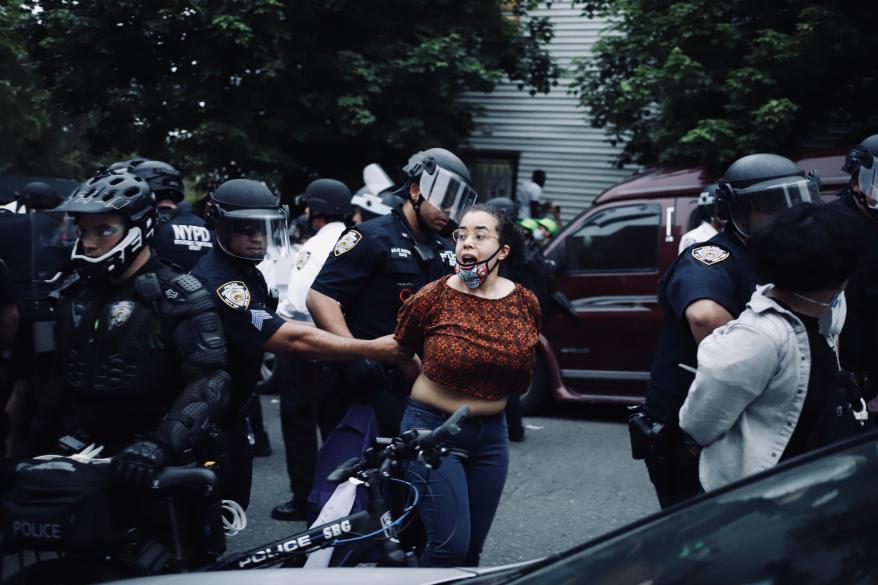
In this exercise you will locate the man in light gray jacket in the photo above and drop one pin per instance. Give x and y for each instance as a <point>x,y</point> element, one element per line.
<point>768,382</point>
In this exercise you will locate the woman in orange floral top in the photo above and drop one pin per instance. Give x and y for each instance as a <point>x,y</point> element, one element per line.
<point>475,333</point>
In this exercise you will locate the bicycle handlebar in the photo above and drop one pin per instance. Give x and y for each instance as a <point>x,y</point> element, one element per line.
<point>171,477</point>
<point>446,430</point>
<point>420,444</point>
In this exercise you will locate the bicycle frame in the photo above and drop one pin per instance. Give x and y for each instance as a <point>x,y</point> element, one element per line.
<point>298,544</point>
<point>348,531</point>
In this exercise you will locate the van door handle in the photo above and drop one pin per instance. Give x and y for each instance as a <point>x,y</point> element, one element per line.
<point>669,224</point>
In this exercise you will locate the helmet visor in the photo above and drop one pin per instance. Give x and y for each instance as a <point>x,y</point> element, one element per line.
<point>447,191</point>
<point>771,198</point>
<point>257,234</point>
<point>867,178</point>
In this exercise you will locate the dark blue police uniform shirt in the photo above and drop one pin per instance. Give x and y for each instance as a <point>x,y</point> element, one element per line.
<point>375,266</point>
<point>719,270</point>
<point>181,237</point>
<point>859,337</point>
<point>247,312</point>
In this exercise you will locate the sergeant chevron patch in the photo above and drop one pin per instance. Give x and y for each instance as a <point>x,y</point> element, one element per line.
<point>258,317</point>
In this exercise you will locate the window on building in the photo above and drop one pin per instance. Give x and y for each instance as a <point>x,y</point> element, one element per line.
<point>618,238</point>
<point>493,173</point>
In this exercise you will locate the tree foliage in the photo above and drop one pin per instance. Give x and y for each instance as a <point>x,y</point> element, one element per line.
<point>270,87</point>
<point>23,112</point>
<point>708,81</point>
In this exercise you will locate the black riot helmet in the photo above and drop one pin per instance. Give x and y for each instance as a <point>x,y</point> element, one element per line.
<point>113,192</point>
<point>507,206</point>
<point>164,180</point>
<point>38,195</point>
<point>444,182</point>
<point>249,221</point>
<point>758,185</point>
<point>860,162</point>
<point>328,198</point>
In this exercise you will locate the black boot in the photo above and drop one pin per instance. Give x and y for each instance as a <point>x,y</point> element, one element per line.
<point>289,511</point>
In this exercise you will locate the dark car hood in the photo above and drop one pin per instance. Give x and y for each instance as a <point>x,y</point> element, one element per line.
<point>333,576</point>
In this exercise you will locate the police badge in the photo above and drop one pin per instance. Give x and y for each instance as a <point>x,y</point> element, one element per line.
<point>302,259</point>
<point>235,294</point>
<point>347,241</point>
<point>709,255</point>
<point>119,313</point>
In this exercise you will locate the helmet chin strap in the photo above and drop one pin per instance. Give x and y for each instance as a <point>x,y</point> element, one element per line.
<point>416,204</point>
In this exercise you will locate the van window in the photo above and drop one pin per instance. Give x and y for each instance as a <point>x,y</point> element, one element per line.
<point>617,238</point>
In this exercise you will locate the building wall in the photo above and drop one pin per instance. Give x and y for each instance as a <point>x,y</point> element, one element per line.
<point>550,132</point>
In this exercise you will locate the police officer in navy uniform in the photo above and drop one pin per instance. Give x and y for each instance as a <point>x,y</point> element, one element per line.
<point>250,225</point>
<point>140,346</point>
<point>375,266</point>
<point>859,338</point>
<point>182,237</point>
<point>704,288</point>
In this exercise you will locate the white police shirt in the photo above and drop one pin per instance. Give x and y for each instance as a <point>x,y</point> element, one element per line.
<point>700,234</point>
<point>306,266</point>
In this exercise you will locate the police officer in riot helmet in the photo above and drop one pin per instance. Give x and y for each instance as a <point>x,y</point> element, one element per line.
<point>862,164</point>
<point>308,401</point>
<point>250,225</point>
<point>439,188</point>
<point>859,338</point>
<point>181,236</point>
<point>140,346</point>
<point>37,195</point>
<point>378,264</point>
<point>705,287</point>
<point>506,205</point>
<point>368,206</point>
<point>328,200</point>
<point>709,224</point>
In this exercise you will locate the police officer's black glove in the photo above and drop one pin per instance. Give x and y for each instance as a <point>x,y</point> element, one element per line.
<point>139,462</point>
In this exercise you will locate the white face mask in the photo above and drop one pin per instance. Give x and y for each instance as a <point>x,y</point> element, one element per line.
<point>826,305</point>
<point>538,235</point>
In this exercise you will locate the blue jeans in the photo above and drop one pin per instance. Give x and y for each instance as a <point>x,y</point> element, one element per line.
<point>459,500</point>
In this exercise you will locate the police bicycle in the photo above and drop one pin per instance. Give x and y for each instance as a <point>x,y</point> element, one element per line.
<point>85,554</point>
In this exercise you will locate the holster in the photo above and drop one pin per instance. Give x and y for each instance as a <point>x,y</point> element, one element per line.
<point>647,435</point>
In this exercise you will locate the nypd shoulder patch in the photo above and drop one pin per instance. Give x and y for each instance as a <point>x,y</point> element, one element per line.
<point>710,255</point>
<point>235,294</point>
<point>347,241</point>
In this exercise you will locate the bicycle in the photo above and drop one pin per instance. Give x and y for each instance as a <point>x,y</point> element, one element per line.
<point>352,537</point>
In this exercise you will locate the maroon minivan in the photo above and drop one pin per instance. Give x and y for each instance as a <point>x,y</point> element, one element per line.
<point>610,259</point>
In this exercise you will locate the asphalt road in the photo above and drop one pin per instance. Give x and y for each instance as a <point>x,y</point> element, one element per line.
<point>572,479</point>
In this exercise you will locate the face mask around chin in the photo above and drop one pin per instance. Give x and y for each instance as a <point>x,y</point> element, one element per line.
<point>474,275</point>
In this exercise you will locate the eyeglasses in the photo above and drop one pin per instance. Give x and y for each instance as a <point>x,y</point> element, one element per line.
<point>460,236</point>
<point>101,232</point>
